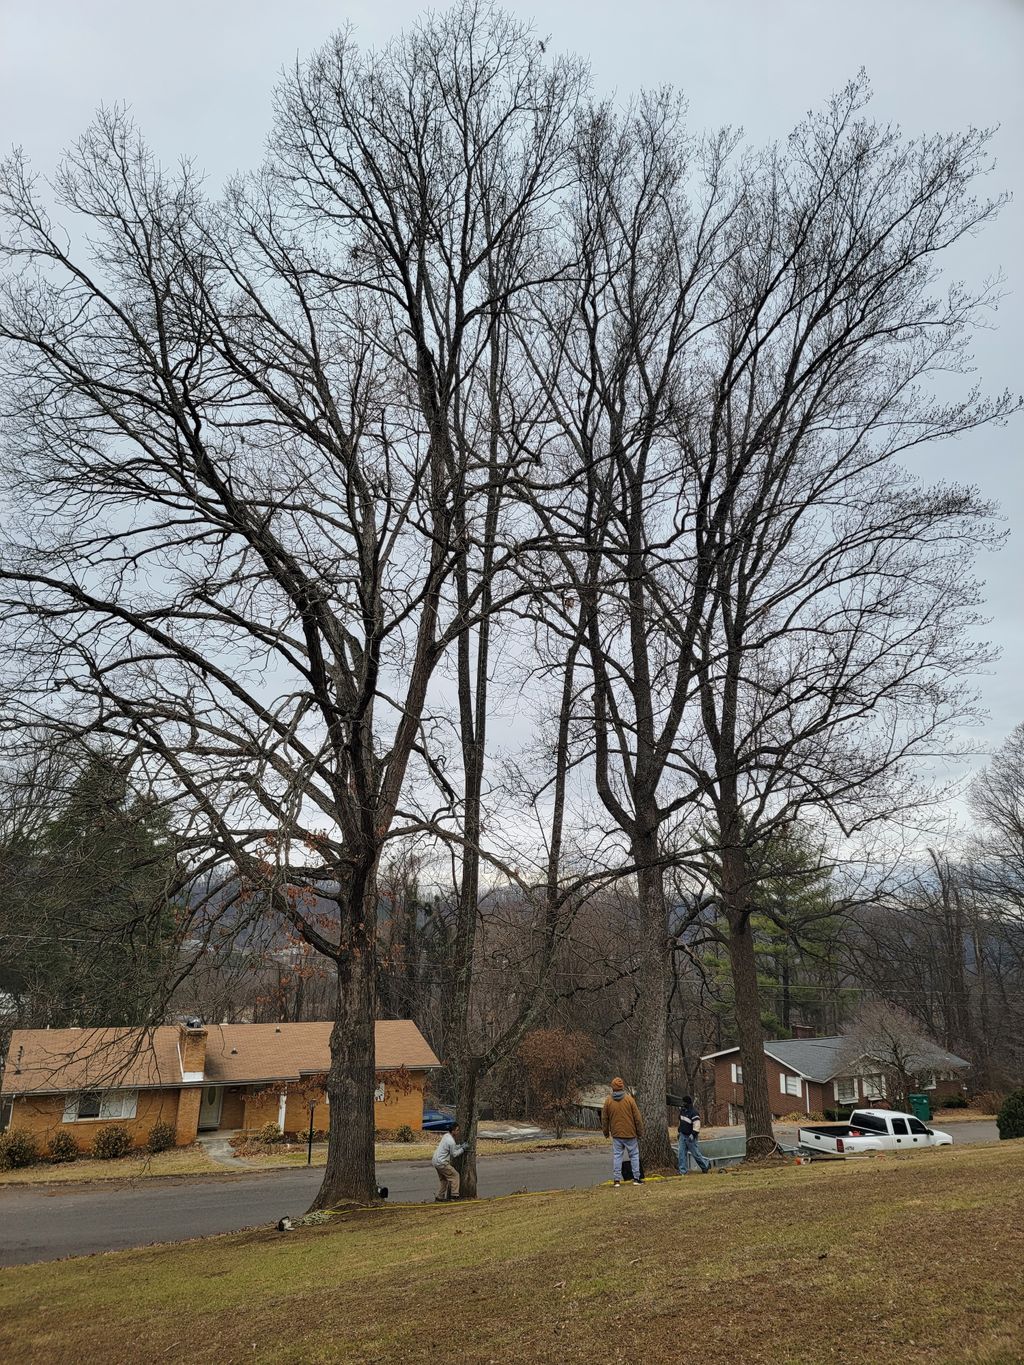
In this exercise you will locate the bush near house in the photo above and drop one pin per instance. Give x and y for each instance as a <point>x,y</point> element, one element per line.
<point>111,1142</point>
<point>989,1101</point>
<point>161,1138</point>
<point>17,1149</point>
<point>62,1147</point>
<point>405,1134</point>
<point>1010,1119</point>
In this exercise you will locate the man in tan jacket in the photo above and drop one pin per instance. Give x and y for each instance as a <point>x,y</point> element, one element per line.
<point>621,1121</point>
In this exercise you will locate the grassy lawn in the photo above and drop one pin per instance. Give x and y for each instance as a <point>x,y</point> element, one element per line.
<point>178,1161</point>
<point>899,1259</point>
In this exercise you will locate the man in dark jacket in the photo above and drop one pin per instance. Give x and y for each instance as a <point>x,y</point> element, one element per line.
<point>689,1129</point>
<point>621,1121</point>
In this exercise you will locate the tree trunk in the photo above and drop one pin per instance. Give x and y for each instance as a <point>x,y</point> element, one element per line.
<point>652,1009</point>
<point>350,1173</point>
<point>467,1115</point>
<point>982,1056</point>
<point>757,1112</point>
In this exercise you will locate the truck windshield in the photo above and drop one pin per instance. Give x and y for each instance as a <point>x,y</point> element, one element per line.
<point>870,1123</point>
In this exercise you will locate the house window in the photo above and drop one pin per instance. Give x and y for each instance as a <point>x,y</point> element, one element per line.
<point>872,1087</point>
<point>846,1090</point>
<point>101,1104</point>
<point>378,1094</point>
<point>737,1074</point>
<point>792,1085</point>
<point>928,1080</point>
<point>6,1110</point>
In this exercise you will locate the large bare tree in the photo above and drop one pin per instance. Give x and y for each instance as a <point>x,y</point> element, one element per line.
<point>240,496</point>
<point>626,508</point>
<point>836,654</point>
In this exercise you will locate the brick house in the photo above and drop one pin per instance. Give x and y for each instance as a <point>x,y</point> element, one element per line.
<point>808,1076</point>
<point>198,1078</point>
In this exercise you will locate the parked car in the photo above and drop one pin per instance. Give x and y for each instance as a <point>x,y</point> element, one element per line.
<point>870,1130</point>
<point>437,1121</point>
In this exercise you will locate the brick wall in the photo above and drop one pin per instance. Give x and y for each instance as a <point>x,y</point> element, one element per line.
<point>397,1108</point>
<point>192,1046</point>
<point>43,1115</point>
<point>815,1097</point>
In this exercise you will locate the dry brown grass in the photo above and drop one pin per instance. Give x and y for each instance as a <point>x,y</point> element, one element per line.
<point>178,1161</point>
<point>909,1259</point>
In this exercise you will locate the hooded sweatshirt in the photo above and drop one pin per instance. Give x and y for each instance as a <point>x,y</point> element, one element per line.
<point>447,1150</point>
<point>620,1117</point>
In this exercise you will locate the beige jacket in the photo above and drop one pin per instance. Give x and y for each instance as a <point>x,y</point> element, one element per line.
<point>621,1118</point>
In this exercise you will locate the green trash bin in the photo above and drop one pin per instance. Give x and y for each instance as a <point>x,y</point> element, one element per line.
<point>920,1107</point>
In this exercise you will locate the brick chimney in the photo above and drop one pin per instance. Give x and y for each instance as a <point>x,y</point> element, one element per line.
<point>804,1031</point>
<point>192,1047</point>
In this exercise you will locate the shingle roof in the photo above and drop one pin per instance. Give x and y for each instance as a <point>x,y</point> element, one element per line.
<point>246,1052</point>
<point>62,1059</point>
<point>820,1059</point>
<point>57,1061</point>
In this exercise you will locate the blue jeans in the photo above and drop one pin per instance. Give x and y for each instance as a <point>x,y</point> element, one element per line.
<point>688,1146</point>
<point>625,1147</point>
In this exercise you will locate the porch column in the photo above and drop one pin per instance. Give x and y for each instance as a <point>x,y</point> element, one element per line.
<point>282,1104</point>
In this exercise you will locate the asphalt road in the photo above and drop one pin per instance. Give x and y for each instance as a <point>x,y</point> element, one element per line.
<point>47,1223</point>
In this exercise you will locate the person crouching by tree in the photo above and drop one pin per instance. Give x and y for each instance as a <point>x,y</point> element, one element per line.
<point>621,1121</point>
<point>689,1131</point>
<point>444,1155</point>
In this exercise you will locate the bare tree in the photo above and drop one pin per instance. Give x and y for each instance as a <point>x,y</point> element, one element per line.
<point>625,506</point>
<point>556,1062</point>
<point>885,1036</point>
<point>835,653</point>
<point>232,439</point>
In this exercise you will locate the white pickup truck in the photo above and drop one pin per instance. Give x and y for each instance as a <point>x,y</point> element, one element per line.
<point>870,1130</point>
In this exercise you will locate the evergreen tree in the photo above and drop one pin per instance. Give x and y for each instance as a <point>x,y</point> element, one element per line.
<point>89,920</point>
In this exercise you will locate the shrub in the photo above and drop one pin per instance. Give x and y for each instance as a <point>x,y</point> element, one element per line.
<point>270,1132</point>
<point>405,1134</point>
<point>17,1149</point>
<point>111,1142</point>
<point>62,1147</point>
<point>1010,1118</point>
<point>989,1101</point>
<point>954,1102</point>
<point>161,1138</point>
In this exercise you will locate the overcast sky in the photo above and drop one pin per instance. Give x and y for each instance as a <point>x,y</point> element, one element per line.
<point>199,78</point>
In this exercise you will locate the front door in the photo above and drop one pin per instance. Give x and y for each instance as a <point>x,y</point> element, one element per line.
<point>209,1109</point>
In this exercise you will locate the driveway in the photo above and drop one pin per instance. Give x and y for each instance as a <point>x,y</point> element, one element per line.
<point>44,1224</point>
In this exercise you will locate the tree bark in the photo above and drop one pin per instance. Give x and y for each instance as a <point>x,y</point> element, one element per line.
<point>350,1173</point>
<point>652,1009</point>
<point>757,1112</point>
<point>467,1115</point>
